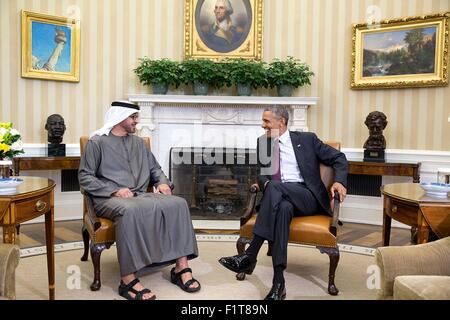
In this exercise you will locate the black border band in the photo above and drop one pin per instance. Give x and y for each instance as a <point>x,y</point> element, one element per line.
<point>125,105</point>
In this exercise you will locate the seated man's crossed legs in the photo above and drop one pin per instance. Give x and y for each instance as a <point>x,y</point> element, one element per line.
<point>280,202</point>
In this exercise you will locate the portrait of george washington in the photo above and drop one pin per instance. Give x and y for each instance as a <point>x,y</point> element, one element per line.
<point>223,25</point>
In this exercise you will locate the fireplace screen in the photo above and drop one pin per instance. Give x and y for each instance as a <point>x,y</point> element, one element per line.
<point>214,181</point>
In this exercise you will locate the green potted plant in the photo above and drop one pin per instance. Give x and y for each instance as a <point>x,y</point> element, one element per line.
<point>201,73</point>
<point>288,74</point>
<point>160,74</point>
<point>221,75</point>
<point>247,74</point>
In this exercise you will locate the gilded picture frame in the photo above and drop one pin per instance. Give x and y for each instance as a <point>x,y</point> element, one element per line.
<point>50,47</point>
<point>216,29</point>
<point>401,53</point>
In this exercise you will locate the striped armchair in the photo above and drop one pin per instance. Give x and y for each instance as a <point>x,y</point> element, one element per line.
<point>420,272</point>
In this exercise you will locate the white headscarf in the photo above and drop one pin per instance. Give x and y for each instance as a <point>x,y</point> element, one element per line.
<point>119,111</point>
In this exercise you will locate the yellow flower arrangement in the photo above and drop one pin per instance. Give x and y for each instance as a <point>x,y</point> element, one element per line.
<point>10,142</point>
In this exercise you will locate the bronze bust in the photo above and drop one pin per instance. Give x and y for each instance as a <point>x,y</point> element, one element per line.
<point>56,127</point>
<point>375,145</point>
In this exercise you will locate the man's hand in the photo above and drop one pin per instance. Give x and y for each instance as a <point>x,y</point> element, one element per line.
<point>340,189</point>
<point>123,193</point>
<point>164,189</point>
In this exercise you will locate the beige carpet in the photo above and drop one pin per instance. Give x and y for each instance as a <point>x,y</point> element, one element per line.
<point>306,276</point>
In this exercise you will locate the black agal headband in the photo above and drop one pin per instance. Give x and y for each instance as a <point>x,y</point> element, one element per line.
<point>125,105</point>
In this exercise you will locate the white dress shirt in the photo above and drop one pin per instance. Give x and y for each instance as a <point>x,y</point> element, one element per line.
<point>290,171</point>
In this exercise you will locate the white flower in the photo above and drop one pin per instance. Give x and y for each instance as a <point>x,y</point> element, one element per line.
<point>18,145</point>
<point>10,143</point>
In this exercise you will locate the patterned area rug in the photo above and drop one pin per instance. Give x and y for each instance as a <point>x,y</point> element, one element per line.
<point>306,275</point>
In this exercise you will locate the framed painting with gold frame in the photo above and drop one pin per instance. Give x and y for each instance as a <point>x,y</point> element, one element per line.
<point>50,47</point>
<point>215,29</point>
<point>401,53</point>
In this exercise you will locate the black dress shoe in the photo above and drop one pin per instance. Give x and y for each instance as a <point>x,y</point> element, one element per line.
<point>278,292</point>
<point>239,263</point>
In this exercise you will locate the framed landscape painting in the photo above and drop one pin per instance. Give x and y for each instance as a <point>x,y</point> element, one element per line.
<point>50,47</point>
<point>216,29</point>
<point>401,53</point>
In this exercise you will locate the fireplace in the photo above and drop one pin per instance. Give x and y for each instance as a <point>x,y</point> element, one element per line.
<point>214,181</point>
<point>212,121</point>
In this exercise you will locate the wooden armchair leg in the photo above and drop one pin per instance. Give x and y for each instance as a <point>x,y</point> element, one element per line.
<point>85,234</point>
<point>96,252</point>
<point>333,253</point>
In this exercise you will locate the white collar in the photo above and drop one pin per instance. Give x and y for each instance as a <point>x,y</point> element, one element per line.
<point>285,137</point>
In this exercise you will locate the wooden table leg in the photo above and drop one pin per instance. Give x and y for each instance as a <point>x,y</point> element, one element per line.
<point>414,233</point>
<point>386,228</point>
<point>49,237</point>
<point>9,234</point>
<point>416,175</point>
<point>422,229</point>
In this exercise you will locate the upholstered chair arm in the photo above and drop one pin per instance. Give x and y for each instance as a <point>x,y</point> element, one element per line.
<point>9,260</point>
<point>250,209</point>
<point>151,187</point>
<point>89,210</point>
<point>432,258</point>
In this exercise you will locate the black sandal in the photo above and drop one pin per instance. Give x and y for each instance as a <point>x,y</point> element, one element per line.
<point>175,278</point>
<point>124,290</point>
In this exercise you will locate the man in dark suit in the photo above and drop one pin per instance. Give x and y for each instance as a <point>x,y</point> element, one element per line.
<point>289,174</point>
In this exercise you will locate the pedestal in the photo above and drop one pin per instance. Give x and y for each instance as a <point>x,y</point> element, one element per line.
<point>373,155</point>
<point>56,150</point>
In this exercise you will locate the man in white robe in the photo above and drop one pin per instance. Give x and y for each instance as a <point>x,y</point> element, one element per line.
<point>152,229</point>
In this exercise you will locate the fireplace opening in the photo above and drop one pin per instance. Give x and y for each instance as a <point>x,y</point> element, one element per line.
<point>214,181</point>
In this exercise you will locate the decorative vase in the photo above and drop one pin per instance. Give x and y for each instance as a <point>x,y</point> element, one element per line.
<point>244,89</point>
<point>200,89</point>
<point>285,90</point>
<point>160,88</point>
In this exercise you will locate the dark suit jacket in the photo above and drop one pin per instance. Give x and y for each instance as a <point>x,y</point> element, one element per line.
<point>310,151</point>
